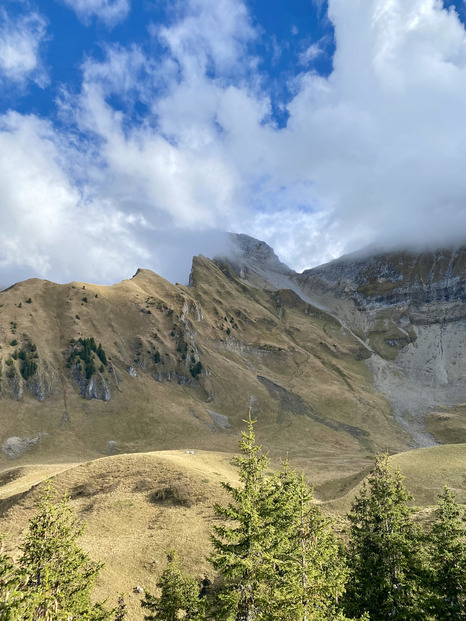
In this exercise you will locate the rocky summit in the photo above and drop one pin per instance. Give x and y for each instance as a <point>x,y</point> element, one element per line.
<point>360,355</point>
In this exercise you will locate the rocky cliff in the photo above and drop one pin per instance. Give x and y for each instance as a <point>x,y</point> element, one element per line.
<point>410,310</point>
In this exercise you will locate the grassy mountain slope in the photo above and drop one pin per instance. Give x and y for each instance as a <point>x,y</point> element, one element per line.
<point>302,375</point>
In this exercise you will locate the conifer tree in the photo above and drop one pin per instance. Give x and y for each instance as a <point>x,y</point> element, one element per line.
<point>243,543</point>
<point>447,541</point>
<point>10,584</point>
<point>179,598</point>
<point>383,550</point>
<point>310,573</point>
<point>60,575</point>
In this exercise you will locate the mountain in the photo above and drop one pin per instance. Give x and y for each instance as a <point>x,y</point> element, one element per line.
<point>132,397</point>
<point>410,310</point>
<point>336,363</point>
<point>182,367</point>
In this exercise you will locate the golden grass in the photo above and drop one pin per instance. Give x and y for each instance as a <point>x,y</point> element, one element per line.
<point>137,506</point>
<point>126,527</point>
<point>426,471</point>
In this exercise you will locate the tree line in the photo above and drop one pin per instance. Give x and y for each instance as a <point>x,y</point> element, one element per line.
<point>275,557</point>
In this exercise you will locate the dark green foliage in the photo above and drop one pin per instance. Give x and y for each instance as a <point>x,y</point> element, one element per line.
<point>28,301</point>
<point>89,369</point>
<point>10,584</point>
<point>447,544</point>
<point>179,598</point>
<point>14,355</point>
<point>84,299</point>
<point>28,368</point>
<point>196,369</point>
<point>383,550</point>
<point>59,574</point>
<point>85,349</point>
<point>276,553</point>
<point>101,353</point>
<point>157,357</point>
<point>242,544</point>
<point>309,573</point>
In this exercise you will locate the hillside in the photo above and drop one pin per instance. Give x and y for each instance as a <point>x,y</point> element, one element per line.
<point>136,506</point>
<point>146,365</point>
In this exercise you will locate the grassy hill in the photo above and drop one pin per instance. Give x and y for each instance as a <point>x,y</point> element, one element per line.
<point>136,506</point>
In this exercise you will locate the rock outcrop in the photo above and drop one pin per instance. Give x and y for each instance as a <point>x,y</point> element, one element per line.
<point>410,309</point>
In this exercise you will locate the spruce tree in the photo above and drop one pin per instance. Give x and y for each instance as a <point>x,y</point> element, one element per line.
<point>179,597</point>
<point>10,587</point>
<point>447,542</point>
<point>243,543</point>
<point>60,575</point>
<point>383,550</point>
<point>310,573</point>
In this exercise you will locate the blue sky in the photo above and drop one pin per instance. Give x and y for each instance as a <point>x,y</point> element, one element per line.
<point>133,132</point>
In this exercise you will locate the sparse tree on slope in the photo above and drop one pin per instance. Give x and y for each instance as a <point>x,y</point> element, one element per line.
<point>447,541</point>
<point>383,550</point>
<point>179,598</point>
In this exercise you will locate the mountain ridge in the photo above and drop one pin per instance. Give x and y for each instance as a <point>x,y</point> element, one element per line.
<point>183,364</point>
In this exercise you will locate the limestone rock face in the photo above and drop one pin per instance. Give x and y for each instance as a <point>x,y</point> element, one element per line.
<point>410,309</point>
<point>255,262</point>
<point>94,388</point>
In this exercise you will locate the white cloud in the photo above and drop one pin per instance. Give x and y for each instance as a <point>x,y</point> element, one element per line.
<point>20,41</point>
<point>312,52</point>
<point>374,152</point>
<point>384,137</point>
<point>47,225</point>
<point>109,11</point>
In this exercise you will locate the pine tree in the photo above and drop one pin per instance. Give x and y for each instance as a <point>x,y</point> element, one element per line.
<point>180,595</point>
<point>243,543</point>
<point>447,541</point>
<point>383,550</point>
<point>60,575</point>
<point>10,585</point>
<point>310,574</point>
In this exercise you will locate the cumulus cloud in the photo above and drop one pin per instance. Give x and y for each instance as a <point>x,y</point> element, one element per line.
<point>383,137</point>
<point>372,153</point>
<point>20,42</point>
<point>109,11</point>
<point>47,224</point>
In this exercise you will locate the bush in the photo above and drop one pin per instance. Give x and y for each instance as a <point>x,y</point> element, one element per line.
<point>196,369</point>
<point>176,493</point>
